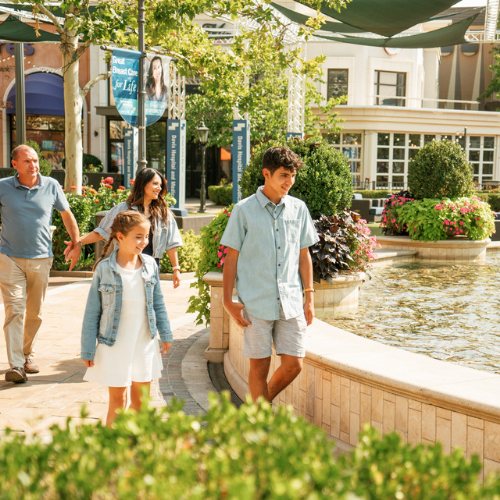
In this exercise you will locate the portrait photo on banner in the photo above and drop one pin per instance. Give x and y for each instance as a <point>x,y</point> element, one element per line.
<point>157,78</point>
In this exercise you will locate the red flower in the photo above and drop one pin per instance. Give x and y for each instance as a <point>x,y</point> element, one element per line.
<point>108,180</point>
<point>96,200</point>
<point>121,188</point>
<point>132,181</point>
<point>73,187</point>
<point>108,186</point>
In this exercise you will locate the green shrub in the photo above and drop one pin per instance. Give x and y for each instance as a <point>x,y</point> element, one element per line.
<point>440,170</point>
<point>90,163</point>
<point>211,259</point>
<point>221,195</point>
<point>324,183</point>
<point>494,200</point>
<point>254,452</point>
<point>434,220</point>
<point>379,193</point>
<point>189,254</point>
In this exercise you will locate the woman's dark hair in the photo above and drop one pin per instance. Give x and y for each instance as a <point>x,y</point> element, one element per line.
<point>123,223</point>
<point>150,82</point>
<point>158,207</point>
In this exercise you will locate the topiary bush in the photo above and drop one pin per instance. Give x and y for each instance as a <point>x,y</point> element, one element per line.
<point>440,170</point>
<point>324,182</point>
<point>221,194</point>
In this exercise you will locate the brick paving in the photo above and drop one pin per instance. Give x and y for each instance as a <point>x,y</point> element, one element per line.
<point>59,390</point>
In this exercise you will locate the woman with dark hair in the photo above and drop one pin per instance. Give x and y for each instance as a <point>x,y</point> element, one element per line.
<point>156,90</point>
<point>147,196</point>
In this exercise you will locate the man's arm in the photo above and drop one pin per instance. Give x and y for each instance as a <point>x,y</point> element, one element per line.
<point>306,275</point>
<point>228,277</point>
<point>71,226</point>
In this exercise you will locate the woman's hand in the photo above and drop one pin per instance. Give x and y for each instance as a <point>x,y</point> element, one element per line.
<point>165,346</point>
<point>176,278</point>
<point>88,363</point>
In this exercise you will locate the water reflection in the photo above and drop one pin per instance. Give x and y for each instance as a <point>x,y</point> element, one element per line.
<point>449,312</point>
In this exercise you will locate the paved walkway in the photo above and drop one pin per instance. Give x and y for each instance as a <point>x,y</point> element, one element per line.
<point>59,391</point>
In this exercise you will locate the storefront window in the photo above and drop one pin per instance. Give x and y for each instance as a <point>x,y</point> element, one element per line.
<point>47,132</point>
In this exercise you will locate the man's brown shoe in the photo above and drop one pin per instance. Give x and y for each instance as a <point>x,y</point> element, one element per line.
<point>16,375</point>
<point>30,366</point>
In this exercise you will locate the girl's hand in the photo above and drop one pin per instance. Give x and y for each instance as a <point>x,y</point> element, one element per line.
<point>165,346</point>
<point>177,278</point>
<point>88,363</point>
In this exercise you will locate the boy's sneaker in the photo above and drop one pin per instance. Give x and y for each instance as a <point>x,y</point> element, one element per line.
<point>30,366</point>
<point>16,375</point>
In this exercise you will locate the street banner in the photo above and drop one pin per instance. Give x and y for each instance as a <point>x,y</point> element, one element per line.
<point>130,149</point>
<point>156,83</point>
<point>240,154</point>
<point>176,164</point>
<point>124,82</point>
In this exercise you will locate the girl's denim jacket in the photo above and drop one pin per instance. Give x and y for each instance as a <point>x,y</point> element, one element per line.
<point>104,305</point>
<point>166,233</point>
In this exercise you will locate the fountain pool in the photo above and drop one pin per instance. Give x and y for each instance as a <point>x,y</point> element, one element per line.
<point>448,312</point>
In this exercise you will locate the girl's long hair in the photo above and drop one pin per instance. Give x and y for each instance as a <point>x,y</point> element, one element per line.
<point>151,83</point>
<point>158,208</point>
<point>124,223</point>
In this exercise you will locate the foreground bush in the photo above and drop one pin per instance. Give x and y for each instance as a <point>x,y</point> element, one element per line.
<point>440,170</point>
<point>390,223</point>
<point>189,254</point>
<point>254,452</point>
<point>324,183</point>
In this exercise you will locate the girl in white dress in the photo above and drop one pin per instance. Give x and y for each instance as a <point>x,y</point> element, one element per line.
<point>125,310</point>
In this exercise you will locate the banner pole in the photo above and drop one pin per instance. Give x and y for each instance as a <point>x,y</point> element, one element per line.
<point>141,95</point>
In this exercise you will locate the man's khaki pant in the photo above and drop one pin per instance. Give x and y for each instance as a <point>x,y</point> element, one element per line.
<point>23,283</point>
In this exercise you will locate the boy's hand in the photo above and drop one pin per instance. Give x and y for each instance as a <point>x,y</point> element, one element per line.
<point>309,312</point>
<point>235,309</point>
<point>165,346</point>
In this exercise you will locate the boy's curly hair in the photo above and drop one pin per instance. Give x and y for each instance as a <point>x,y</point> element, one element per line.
<point>281,156</point>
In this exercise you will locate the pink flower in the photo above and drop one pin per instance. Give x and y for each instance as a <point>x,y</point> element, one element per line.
<point>461,223</point>
<point>219,254</point>
<point>108,180</point>
<point>225,250</point>
<point>416,228</point>
<point>216,236</point>
<point>446,221</point>
<point>393,221</point>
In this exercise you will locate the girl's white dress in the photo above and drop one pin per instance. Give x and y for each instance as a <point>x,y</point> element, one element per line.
<point>135,356</point>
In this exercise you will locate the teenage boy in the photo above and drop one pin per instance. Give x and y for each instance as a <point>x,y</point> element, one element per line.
<point>268,238</point>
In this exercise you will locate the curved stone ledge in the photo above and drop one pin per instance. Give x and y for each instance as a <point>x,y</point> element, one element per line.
<point>341,294</point>
<point>348,381</point>
<point>453,250</point>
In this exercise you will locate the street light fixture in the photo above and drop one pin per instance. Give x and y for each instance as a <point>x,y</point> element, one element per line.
<point>202,133</point>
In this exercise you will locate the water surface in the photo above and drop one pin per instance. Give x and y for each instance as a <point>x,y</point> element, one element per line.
<point>449,312</point>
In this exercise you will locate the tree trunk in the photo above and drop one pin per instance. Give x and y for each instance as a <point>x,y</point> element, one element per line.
<point>73,103</point>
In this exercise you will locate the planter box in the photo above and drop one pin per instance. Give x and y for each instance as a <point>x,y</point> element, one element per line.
<point>458,249</point>
<point>342,294</point>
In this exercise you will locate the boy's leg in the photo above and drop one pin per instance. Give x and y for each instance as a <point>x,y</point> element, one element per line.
<point>290,343</point>
<point>284,375</point>
<point>257,378</point>
<point>257,345</point>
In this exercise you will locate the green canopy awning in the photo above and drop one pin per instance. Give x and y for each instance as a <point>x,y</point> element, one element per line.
<point>449,35</point>
<point>57,11</point>
<point>14,30</point>
<point>387,17</point>
<point>328,26</point>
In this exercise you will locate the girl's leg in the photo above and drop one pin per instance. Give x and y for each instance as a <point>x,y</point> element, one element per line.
<point>136,394</point>
<point>117,400</point>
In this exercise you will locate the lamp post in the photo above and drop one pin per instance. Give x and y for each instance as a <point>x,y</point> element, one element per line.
<point>202,133</point>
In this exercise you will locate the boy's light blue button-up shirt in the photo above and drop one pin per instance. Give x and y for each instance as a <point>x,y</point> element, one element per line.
<point>269,238</point>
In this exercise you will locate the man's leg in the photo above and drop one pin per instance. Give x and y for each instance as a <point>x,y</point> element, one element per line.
<point>13,287</point>
<point>257,378</point>
<point>286,373</point>
<point>37,279</point>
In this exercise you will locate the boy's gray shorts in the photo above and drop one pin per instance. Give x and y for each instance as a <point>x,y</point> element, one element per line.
<point>288,336</point>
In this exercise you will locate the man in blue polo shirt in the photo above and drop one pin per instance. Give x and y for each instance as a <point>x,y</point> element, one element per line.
<point>26,204</point>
